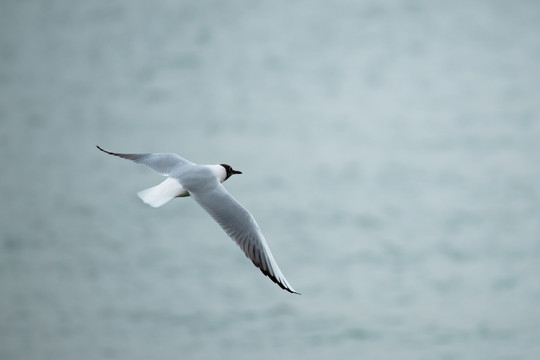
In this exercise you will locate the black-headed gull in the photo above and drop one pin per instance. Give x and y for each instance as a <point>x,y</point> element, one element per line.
<point>203,183</point>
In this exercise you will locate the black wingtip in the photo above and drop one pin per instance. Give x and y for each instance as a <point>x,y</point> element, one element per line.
<point>274,279</point>
<point>105,151</point>
<point>289,290</point>
<point>110,153</point>
<point>292,291</point>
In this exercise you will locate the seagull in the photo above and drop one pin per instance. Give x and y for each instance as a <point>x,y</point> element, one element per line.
<point>203,184</point>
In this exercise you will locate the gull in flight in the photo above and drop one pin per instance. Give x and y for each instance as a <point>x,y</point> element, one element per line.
<point>203,183</point>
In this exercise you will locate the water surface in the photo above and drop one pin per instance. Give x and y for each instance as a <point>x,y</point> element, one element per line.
<point>390,153</point>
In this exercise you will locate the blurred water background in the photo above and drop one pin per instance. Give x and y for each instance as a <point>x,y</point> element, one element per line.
<point>391,155</point>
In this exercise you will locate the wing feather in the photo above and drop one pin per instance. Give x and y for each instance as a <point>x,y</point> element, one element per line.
<point>162,163</point>
<point>243,229</point>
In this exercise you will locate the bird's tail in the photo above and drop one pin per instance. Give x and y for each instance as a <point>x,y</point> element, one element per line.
<point>161,194</point>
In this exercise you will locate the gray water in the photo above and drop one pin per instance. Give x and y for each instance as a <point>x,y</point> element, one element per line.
<point>391,155</point>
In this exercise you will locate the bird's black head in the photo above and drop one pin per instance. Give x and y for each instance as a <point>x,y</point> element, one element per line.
<point>230,171</point>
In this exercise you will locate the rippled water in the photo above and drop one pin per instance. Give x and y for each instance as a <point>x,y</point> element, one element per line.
<point>391,156</point>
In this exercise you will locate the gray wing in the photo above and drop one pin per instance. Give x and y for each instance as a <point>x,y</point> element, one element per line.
<point>242,228</point>
<point>162,163</point>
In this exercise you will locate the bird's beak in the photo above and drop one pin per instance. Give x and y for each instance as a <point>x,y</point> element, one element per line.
<point>236,172</point>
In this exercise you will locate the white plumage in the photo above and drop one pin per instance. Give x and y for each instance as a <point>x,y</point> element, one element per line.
<point>203,183</point>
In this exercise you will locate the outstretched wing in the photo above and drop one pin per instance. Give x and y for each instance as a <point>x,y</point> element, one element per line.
<point>162,163</point>
<point>242,228</point>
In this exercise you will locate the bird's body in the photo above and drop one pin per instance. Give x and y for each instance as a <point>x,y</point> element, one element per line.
<point>203,183</point>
